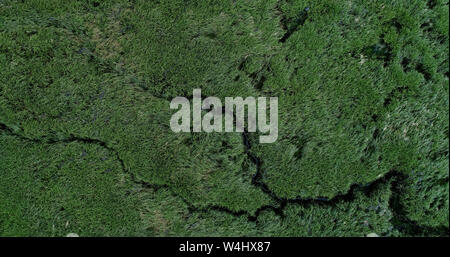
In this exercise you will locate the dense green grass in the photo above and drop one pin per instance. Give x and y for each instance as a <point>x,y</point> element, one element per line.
<point>86,145</point>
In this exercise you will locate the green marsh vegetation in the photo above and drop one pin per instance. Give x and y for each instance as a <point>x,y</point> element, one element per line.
<point>86,147</point>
